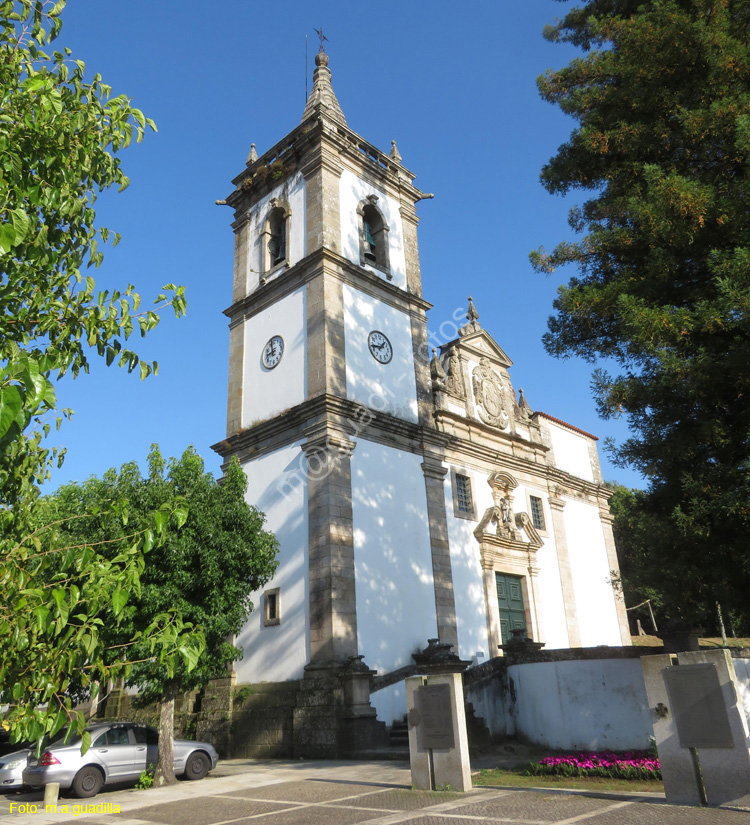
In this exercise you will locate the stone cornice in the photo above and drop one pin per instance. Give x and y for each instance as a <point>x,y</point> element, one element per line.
<point>324,136</point>
<point>331,416</point>
<point>485,456</point>
<point>334,265</point>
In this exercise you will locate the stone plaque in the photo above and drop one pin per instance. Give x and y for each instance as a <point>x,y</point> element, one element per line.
<point>698,706</point>
<point>434,702</point>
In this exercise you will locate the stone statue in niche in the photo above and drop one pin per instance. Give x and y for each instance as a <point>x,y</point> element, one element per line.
<point>454,384</point>
<point>506,511</point>
<point>489,395</point>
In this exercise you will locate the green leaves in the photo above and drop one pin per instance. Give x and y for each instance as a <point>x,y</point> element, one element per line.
<point>64,593</point>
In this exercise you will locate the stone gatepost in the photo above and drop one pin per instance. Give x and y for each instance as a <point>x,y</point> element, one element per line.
<point>360,729</point>
<point>700,729</point>
<point>438,741</point>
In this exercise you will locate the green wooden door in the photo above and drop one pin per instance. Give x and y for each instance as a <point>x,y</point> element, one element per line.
<point>510,603</point>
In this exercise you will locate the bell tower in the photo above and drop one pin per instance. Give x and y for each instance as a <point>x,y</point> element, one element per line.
<point>330,393</point>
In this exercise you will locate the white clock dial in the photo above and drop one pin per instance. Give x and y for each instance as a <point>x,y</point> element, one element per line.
<point>380,347</point>
<point>273,351</point>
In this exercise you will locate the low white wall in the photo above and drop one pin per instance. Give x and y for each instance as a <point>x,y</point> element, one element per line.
<point>742,670</point>
<point>488,699</point>
<point>579,705</point>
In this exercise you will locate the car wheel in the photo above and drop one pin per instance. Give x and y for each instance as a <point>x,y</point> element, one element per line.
<point>88,782</point>
<point>197,766</point>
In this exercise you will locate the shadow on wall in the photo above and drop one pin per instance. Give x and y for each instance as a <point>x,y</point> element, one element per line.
<point>280,652</point>
<point>393,561</point>
<point>468,587</point>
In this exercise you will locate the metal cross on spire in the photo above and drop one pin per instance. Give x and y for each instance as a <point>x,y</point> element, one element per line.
<point>320,34</point>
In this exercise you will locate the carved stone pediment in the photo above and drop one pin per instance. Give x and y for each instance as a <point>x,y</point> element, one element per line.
<point>482,345</point>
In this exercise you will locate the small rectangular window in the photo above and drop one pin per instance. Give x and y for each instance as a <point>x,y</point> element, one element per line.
<point>272,607</point>
<point>537,512</point>
<point>463,494</point>
<point>463,500</point>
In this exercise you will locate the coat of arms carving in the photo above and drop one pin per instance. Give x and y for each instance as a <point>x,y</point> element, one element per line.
<point>489,394</point>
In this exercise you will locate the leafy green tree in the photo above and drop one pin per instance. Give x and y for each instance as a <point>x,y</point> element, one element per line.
<point>662,100</point>
<point>207,570</point>
<point>59,139</point>
<point>62,601</point>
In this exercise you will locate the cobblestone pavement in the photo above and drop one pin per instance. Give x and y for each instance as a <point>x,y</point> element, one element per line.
<point>347,793</point>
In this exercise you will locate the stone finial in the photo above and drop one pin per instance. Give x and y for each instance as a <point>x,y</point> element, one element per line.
<point>395,154</point>
<point>472,316</point>
<point>523,405</point>
<point>322,99</point>
<point>253,156</point>
<point>438,657</point>
<point>437,373</point>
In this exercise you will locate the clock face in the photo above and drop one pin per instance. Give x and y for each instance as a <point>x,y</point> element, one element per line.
<point>380,347</point>
<point>273,351</point>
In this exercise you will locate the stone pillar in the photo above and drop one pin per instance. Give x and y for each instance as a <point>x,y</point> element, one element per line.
<point>236,376</point>
<point>410,221</point>
<point>445,604</point>
<point>434,767</point>
<point>614,566</point>
<point>360,729</point>
<point>322,172</point>
<point>421,353</point>
<point>678,769</point>
<point>556,505</point>
<point>333,610</point>
<point>326,349</point>
<point>725,770</point>
<point>241,264</point>
<point>700,728</point>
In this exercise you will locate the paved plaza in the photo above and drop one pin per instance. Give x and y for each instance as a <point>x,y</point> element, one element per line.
<point>243,792</point>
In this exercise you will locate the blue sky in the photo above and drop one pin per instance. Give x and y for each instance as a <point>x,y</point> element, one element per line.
<point>453,84</point>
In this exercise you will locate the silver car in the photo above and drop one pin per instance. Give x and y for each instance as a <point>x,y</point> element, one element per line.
<point>119,752</point>
<point>11,770</point>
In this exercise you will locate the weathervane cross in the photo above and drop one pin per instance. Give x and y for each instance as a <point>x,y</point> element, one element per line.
<point>320,34</point>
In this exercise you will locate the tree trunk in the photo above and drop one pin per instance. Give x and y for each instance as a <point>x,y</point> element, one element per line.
<point>164,774</point>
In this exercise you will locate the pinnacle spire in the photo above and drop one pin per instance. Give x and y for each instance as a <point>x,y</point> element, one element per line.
<point>322,97</point>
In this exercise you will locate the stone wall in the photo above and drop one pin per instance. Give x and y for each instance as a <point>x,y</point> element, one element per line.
<point>121,706</point>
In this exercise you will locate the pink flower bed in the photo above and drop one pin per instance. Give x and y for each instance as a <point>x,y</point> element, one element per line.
<point>627,765</point>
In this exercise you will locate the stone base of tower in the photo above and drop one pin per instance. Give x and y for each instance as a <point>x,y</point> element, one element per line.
<point>325,715</point>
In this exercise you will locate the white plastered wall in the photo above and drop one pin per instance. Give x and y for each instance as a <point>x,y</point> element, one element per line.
<point>589,568</point>
<point>466,570</point>
<point>468,584</point>
<point>352,190</point>
<point>391,387</point>
<point>395,591</point>
<point>292,191</point>
<point>571,451</point>
<point>277,486</point>
<point>269,392</point>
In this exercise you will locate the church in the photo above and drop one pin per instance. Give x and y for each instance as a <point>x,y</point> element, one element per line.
<point>414,493</point>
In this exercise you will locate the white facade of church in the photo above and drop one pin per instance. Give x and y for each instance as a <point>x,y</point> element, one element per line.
<point>414,494</point>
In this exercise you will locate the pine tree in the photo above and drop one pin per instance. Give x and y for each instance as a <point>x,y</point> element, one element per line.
<point>662,100</point>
